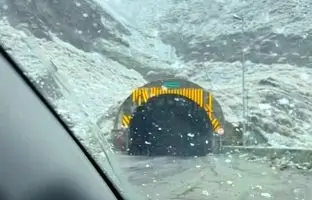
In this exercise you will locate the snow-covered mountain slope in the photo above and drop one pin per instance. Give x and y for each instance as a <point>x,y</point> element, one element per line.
<point>279,98</point>
<point>88,27</point>
<point>87,84</point>
<point>77,49</point>
<point>93,53</point>
<point>208,37</point>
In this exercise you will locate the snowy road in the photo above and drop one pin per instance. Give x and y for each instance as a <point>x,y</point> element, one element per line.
<point>221,177</point>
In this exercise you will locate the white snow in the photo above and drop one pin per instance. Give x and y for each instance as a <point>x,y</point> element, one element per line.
<point>205,192</point>
<point>264,106</point>
<point>266,195</point>
<point>93,84</point>
<point>144,38</point>
<point>283,101</point>
<point>5,7</point>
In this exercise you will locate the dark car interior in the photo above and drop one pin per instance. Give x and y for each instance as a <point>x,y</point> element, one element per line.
<point>40,157</point>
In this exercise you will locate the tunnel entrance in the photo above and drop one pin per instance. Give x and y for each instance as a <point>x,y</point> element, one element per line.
<point>170,125</point>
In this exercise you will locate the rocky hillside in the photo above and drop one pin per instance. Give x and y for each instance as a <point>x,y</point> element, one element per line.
<point>209,37</point>
<point>82,42</point>
<point>87,26</point>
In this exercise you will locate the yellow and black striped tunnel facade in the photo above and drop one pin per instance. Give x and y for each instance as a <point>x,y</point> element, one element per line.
<point>141,95</point>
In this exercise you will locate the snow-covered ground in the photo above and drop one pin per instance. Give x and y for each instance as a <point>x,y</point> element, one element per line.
<point>175,38</point>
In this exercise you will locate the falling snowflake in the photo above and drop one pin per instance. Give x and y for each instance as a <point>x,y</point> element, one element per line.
<point>205,192</point>
<point>267,195</point>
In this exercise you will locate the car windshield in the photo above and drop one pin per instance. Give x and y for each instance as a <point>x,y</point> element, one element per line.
<point>177,99</point>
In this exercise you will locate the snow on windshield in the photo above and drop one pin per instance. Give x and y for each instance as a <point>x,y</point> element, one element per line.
<point>88,56</point>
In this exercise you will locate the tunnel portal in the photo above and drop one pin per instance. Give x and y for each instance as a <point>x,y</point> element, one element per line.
<point>168,117</point>
<point>170,125</point>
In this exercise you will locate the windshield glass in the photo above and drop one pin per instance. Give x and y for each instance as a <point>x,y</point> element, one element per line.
<point>201,99</point>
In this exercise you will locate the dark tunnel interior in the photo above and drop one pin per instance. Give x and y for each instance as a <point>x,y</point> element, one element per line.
<point>170,125</point>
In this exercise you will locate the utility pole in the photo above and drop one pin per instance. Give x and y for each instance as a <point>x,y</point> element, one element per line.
<point>241,18</point>
<point>247,110</point>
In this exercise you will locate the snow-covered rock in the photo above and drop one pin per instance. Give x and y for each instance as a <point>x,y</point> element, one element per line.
<point>88,55</point>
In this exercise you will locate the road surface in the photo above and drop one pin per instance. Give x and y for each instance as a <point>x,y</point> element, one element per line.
<point>223,177</point>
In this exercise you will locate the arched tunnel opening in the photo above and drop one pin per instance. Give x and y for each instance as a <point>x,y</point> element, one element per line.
<point>170,124</point>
